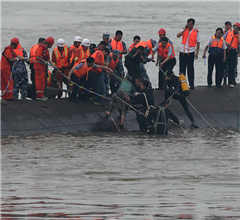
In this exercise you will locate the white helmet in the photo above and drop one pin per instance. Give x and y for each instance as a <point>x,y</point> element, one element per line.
<point>86,42</point>
<point>60,43</point>
<point>77,39</point>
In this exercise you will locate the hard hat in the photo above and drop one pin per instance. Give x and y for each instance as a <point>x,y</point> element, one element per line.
<point>60,43</point>
<point>50,40</point>
<point>86,42</point>
<point>15,40</point>
<point>154,42</point>
<point>77,39</point>
<point>161,31</point>
<point>237,24</point>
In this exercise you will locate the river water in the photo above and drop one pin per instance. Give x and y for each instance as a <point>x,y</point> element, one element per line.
<point>112,176</point>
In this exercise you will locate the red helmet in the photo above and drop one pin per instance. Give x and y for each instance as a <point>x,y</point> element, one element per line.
<point>50,40</point>
<point>237,24</point>
<point>15,40</point>
<point>161,31</point>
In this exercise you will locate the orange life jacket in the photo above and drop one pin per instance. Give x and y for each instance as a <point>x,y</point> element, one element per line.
<point>83,54</point>
<point>113,63</point>
<point>33,52</point>
<point>216,46</point>
<point>131,47</point>
<point>146,44</point>
<point>61,59</point>
<point>163,52</point>
<point>117,45</point>
<point>19,50</point>
<point>82,71</point>
<point>192,38</point>
<point>232,39</point>
<point>49,79</point>
<point>94,55</point>
<point>5,63</point>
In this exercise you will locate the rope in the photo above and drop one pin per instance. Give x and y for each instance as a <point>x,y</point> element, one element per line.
<point>232,102</point>
<point>201,116</point>
<point>9,80</point>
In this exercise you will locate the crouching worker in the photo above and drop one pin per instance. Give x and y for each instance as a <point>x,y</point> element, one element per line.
<point>125,89</point>
<point>79,75</point>
<point>159,119</point>
<point>177,88</point>
<point>146,100</point>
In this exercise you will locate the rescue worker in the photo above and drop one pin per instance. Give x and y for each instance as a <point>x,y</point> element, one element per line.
<point>7,63</point>
<point>232,39</point>
<point>79,75</point>
<point>146,100</point>
<point>176,91</point>
<point>106,39</point>
<point>217,56</point>
<point>132,62</point>
<point>228,26</point>
<point>40,68</point>
<point>166,61</point>
<point>76,44</point>
<point>136,40</point>
<point>125,89</point>
<point>190,39</point>
<point>148,49</point>
<point>118,44</point>
<point>100,46</point>
<point>160,117</point>
<point>33,58</point>
<point>20,75</point>
<point>82,52</point>
<point>60,58</point>
<point>113,63</point>
<point>161,34</point>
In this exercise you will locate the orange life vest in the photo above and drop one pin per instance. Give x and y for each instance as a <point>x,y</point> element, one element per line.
<point>33,52</point>
<point>19,50</point>
<point>113,63</point>
<point>82,71</point>
<point>163,52</point>
<point>117,45</point>
<point>192,38</point>
<point>94,55</point>
<point>216,46</point>
<point>131,47</point>
<point>61,59</point>
<point>146,44</point>
<point>83,54</point>
<point>49,79</point>
<point>232,39</point>
<point>5,63</point>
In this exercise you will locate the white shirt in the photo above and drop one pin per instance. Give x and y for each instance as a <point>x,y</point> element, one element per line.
<point>191,49</point>
<point>209,43</point>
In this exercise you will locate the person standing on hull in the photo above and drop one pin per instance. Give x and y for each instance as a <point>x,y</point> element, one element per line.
<point>166,61</point>
<point>7,60</point>
<point>146,99</point>
<point>232,39</point>
<point>178,89</point>
<point>161,34</point>
<point>76,44</point>
<point>217,56</point>
<point>40,68</point>
<point>60,58</point>
<point>20,75</point>
<point>79,75</point>
<point>190,39</point>
<point>132,63</point>
<point>148,49</point>
<point>33,56</point>
<point>125,89</point>
<point>136,40</point>
<point>106,39</point>
<point>118,44</point>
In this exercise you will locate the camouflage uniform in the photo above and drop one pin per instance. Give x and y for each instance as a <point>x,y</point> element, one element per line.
<point>20,78</point>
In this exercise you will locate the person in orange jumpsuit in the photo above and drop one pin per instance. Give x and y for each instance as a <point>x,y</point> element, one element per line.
<point>7,60</point>
<point>40,67</point>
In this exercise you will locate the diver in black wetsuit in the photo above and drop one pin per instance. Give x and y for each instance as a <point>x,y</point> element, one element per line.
<point>174,88</point>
